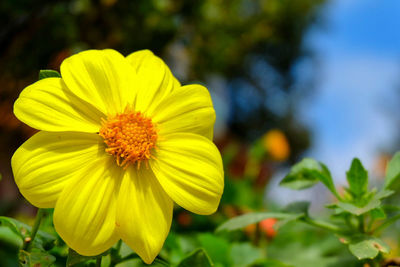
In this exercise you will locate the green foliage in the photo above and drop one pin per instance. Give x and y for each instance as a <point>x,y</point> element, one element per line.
<point>393,171</point>
<point>307,173</point>
<point>299,245</point>
<point>244,254</point>
<point>135,261</point>
<point>370,202</point>
<point>197,258</point>
<point>48,74</point>
<point>355,207</point>
<point>270,263</point>
<point>217,247</point>
<point>357,178</point>
<point>15,226</point>
<point>378,213</point>
<point>75,258</point>
<point>298,207</point>
<point>303,175</point>
<point>357,220</point>
<point>36,258</point>
<point>355,212</point>
<point>23,231</point>
<point>241,192</point>
<point>9,237</point>
<point>367,247</point>
<point>18,233</point>
<point>251,218</point>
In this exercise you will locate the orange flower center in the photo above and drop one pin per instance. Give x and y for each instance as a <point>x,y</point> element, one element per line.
<point>130,137</point>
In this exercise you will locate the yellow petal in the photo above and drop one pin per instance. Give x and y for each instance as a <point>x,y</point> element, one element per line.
<point>189,168</point>
<point>144,213</point>
<point>47,162</point>
<point>103,78</point>
<point>84,215</point>
<point>186,109</point>
<point>136,58</point>
<point>49,105</point>
<point>155,79</point>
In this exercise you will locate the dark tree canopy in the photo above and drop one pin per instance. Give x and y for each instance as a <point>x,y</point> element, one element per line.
<point>253,45</point>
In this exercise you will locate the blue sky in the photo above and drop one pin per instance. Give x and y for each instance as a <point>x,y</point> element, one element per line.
<point>362,25</point>
<point>359,55</point>
<point>351,112</point>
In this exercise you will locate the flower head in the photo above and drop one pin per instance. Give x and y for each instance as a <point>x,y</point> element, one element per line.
<point>120,140</point>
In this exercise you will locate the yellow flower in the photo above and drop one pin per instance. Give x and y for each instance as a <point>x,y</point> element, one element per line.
<point>120,140</point>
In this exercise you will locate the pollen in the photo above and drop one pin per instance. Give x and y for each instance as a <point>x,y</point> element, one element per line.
<point>130,137</point>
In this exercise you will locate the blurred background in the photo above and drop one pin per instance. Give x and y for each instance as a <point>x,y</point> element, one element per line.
<point>289,79</point>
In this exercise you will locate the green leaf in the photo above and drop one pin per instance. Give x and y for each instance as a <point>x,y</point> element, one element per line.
<point>307,173</point>
<point>393,171</point>
<point>384,194</point>
<point>10,238</point>
<point>160,262</point>
<point>378,213</point>
<point>244,254</point>
<point>216,247</point>
<point>357,178</point>
<point>356,210</point>
<point>197,258</point>
<point>367,247</point>
<point>327,180</point>
<point>297,207</point>
<point>23,230</point>
<point>14,226</point>
<point>75,258</point>
<point>390,208</point>
<point>133,261</point>
<point>270,263</point>
<point>250,218</point>
<point>43,74</point>
<point>373,202</point>
<point>302,175</point>
<point>36,258</point>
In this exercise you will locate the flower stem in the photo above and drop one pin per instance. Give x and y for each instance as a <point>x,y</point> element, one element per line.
<point>35,228</point>
<point>322,224</point>
<point>115,254</point>
<point>98,261</point>
<point>118,248</point>
<point>361,226</point>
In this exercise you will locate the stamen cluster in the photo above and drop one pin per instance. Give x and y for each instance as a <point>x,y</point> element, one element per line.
<point>130,137</point>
